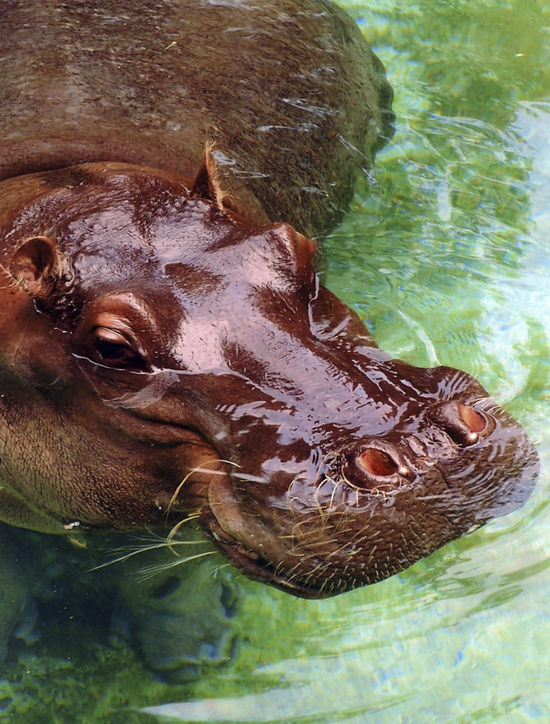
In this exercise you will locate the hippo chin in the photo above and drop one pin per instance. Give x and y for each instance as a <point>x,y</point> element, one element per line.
<point>168,351</point>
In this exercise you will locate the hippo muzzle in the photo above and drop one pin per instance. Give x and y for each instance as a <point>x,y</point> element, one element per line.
<point>225,383</point>
<point>349,504</point>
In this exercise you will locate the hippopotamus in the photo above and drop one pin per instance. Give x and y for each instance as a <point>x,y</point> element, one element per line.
<point>169,353</point>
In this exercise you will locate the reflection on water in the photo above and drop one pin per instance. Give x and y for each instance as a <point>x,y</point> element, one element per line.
<point>447,256</point>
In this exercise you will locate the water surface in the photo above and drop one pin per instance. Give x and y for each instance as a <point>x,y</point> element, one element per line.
<point>446,253</point>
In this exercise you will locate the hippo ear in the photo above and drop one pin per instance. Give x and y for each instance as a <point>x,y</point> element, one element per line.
<point>227,192</point>
<point>34,264</point>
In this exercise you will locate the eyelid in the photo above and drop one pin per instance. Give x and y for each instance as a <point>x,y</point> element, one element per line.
<point>118,326</point>
<point>112,335</point>
<point>116,331</point>
<point>120,352</point>
<point>112,321</point>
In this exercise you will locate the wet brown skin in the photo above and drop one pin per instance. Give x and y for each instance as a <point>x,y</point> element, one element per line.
<point>167,349</point>
<point>342,465</point>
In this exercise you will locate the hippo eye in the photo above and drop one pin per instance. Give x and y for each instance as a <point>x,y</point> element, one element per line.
<point>113,348</point>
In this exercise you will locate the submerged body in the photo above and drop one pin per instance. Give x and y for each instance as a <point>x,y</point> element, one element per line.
<point>168,350</point>
<point>288,92</point>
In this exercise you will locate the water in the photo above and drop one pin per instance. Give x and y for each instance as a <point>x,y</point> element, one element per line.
<point>447,255</point>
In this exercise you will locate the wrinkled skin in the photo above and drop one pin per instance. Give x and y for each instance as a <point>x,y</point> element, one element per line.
<point>172,359</point>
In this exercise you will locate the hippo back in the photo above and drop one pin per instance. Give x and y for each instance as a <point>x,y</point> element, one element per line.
<point>288,93</point>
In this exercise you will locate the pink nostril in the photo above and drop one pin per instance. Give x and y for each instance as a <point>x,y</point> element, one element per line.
<point>471,418</point>
<point>461,422</point>
<point>377,462</point>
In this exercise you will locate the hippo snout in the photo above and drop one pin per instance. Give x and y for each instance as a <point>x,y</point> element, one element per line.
<point>363,510</point>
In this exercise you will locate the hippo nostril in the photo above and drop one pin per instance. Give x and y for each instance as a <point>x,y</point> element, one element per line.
<point>377,462</point>
<point>461,422</point>
<point>473,420</point>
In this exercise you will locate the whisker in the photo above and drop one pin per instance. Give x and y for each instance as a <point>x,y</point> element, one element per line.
<point>148,572</point>
<point>146,548</point>
<point>199,468</point>
<point>129,555</point>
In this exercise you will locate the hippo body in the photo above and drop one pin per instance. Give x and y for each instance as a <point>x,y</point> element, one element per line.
<point>288,92</point>
<point>168,352</point>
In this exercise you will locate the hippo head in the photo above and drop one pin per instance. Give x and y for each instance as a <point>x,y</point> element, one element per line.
<point>165,359</point>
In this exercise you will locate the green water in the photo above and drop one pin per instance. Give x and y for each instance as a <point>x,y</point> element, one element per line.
<point>446,254</point>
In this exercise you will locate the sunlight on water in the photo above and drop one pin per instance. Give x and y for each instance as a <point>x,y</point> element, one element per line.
<point>446,254</point>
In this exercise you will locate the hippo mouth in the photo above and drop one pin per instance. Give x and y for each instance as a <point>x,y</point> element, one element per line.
<point>248,561</point>
<point>246,544</point>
